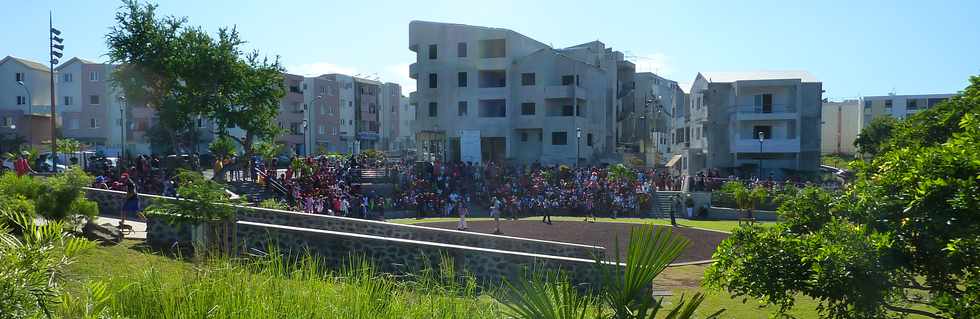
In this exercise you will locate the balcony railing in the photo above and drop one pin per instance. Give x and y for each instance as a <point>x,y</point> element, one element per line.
<point>761,109</point>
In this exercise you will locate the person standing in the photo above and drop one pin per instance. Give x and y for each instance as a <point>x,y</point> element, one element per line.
<point>131,204</point>
<point>463,209</point>
<point>547,205</point>
<point>22,166</point>
<point>495,213</point>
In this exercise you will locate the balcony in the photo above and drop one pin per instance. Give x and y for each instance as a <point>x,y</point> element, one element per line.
<point>413,70</point>
<point>413,97</point>
<point>564,92</point>
<point>757,112</point>
<point>768,146</point>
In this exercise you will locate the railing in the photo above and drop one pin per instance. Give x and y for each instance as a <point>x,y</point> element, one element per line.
<point>775,108</point>
<point>275,185</point>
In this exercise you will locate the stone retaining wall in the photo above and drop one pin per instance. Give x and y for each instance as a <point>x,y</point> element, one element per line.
<point>724,213</point>
<point>395,255</point>
<point>161,234</point>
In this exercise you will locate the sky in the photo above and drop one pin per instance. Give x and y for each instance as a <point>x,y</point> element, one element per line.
<point>854,47</point>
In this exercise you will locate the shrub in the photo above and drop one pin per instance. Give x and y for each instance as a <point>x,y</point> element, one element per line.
<point>273,204</point>
<point>62,196</point>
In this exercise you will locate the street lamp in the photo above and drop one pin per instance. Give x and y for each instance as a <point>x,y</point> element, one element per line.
<point>578,143</point>
<point>307,118</point>
<point>122,126</point>
<point>762,136</point>
<point>30,108</point>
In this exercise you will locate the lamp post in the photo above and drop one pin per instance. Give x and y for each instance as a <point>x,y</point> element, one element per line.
<point>308,118</point>
<point>578,143</point>
<point>30,110</point>
<point>56,47</point>
<point>122,126</point>
<point>762,136</point>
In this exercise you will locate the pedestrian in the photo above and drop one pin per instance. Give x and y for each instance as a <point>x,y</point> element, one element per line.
<point>131,203</point>
<point>462,210</point>
<point>546,207</point>
<point>22,166</point>
<point>495,213</point>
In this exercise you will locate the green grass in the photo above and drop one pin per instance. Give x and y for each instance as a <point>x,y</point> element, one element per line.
<point>719,225</point>
<point>836,160</point>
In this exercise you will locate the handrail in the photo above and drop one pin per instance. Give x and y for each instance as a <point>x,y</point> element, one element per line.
<point>275,184</point>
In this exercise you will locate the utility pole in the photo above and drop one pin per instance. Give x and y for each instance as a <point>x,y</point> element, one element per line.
<point>54,50</point>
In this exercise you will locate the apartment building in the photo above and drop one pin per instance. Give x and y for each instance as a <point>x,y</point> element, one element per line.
<point>753,124</point>
<point>897,106</point>
<point>389,113</point>
<point>25,110</point>
<point>323,103</point>
<point>492,94</point>
<point>405,138</point>
<point>645,129</point>
<point>840,126</point>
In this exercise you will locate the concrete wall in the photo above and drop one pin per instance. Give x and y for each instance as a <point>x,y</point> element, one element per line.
<point>396,255</point>
<point>110,201</point>
<point>723,213</point>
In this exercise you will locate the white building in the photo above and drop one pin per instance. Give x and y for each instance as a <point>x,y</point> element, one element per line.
<point>840,126</point>
<point>645,129</point>
<point>25,109</point>
<point>897,106</point>
<point>741,121</point>
<point>494,94</point>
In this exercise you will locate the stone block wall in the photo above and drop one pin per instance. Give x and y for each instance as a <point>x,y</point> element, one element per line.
<point>396,255</point>
<point>110,201</point>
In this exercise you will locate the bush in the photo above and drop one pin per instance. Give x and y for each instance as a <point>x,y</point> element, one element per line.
<point>273,204</point>
<point>62,196</point>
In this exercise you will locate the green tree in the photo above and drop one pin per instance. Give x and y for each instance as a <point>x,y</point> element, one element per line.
<point>903,238</point>
<point>186,73</point>
<point>222,147</point>
<point>873,137</point>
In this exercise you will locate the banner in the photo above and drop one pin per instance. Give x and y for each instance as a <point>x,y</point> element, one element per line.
<point>469,146</point>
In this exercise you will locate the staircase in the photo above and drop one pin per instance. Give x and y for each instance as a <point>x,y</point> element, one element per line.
<point>662,202</point>
<point>253,192</point>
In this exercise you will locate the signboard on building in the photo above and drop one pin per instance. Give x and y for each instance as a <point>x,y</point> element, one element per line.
<point>469,146</point>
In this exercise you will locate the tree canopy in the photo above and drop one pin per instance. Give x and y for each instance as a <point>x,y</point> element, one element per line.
<point>873,137</point>
<point>186,73</point>
<point>903,238</point>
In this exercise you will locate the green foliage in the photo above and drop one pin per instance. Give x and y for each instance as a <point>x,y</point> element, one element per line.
<point>32,266</point>
<point>13,208</point>
<point>222,147</point>
<point>58,197</point>
<point>62,196</point>
<point>185,73</point>
<point>875,135</point>
<point>620,172</point>
<point>624,290</point>
<point>904,237</point>
<point>273,204</point>
<point>269,150</point>
<point>200,200</point>
<point>279,287</point>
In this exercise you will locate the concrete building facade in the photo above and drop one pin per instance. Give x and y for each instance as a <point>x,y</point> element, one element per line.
<point>840,126</point>
<point>22,114</point>
<point>753,124</point>
<point>491,94</point>
<point>897,106</point>
<point>646,129</point>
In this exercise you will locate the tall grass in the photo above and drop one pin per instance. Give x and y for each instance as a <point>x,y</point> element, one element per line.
<point>277,287</point>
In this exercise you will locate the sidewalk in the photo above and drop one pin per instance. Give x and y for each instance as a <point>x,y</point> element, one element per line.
<point>139,228</point>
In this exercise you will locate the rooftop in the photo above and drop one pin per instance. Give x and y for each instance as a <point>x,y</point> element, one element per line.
<point>28,63</point>
<point>728,77</point>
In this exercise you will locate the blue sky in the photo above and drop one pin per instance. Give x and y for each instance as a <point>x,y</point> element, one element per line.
<point>854,47</point>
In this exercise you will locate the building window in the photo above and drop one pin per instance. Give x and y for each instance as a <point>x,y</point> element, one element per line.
<point>462,108</point>
<point>763,103</point>
<point>461,78</point>
<point>433,52</point>
<point>527,79</point>
<point>559,138</point>
<point>68,100</point>
<point>493,108</point>
<point>912,104</point>
<point>21,100</point>
<point>932,102</point>
<point>93,100</point>
<point>73,124</point>
<point>67,77</point>
<point>433,80</point>
<point>93,123</point>
<point>527,108</point>
<point>567,79</point>
<point>94,76</point>
<point>461,49</point>
<point>888,106</point>
<point>492,78</point>
<point>18,77</point>
<point>321,130</point>
<point>567,110</point>
<point>495,48</point>
<point>588,139</point>
<point>8,121</point>
<point>765,130</point>
<point>433,109</point>
<point>523,136</point>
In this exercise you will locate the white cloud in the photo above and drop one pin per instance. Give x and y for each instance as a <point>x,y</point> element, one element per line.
<point>657,63</point>
<point>320,68</point>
